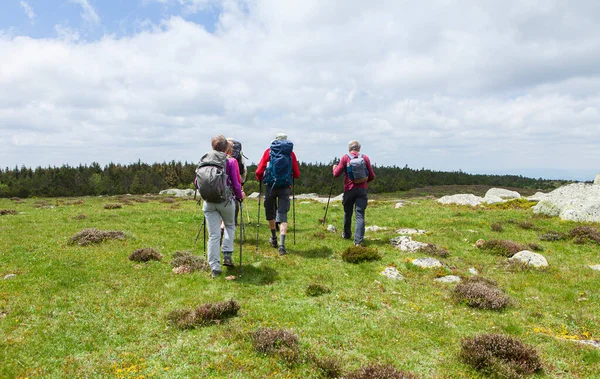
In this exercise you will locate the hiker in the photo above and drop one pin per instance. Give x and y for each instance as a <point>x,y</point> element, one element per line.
<point>277,177</point>
<point>220,193</point>
<point>235,151</point>
<point>357,173</point>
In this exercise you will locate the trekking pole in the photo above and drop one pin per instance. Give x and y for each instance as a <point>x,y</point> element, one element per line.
<point>294,209</point>
<point>241,235</point>
<point>258,217</point>
<point>200,229</point>
<point>328,199</point>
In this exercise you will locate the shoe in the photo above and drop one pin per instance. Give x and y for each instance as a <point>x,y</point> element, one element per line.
<point>345,236</point>
<point>214,273</point>
<point>227,261</point>
<point>273,241</point>
<point>282,250</point>
<point>359,244</point>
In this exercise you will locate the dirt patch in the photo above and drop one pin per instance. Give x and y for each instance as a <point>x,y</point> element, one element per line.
<point>94,236</point>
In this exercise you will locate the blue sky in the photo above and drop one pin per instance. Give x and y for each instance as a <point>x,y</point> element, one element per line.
<point>507,87</point>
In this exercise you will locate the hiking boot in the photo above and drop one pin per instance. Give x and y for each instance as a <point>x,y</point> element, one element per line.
<point>215,273</point>
<point>282,250</point>
<point>273,241</point>
<point>359,244</point>
<point>227,261</point>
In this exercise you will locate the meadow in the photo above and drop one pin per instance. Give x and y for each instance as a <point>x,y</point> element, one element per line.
<point>71,311</point>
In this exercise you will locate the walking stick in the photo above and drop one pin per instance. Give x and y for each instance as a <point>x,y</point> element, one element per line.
<point>241,234</point>
<point>258,217</point>
<point>294,209</point>
<point>328,199</point>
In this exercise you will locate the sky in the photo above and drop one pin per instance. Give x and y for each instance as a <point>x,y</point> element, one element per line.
<point>481,86</point>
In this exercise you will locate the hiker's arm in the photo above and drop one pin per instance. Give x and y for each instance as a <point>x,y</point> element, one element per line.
<point>341,167</point>
<point>370,168</point>
<point>295,167</point>
<point>234,174</point>
<point>262,166</point>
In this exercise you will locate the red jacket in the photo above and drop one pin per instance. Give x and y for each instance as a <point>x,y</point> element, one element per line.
<point>262,165</point>
<point>341,167</point>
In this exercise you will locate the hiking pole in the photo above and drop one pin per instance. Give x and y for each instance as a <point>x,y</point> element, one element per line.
<point>294,209</point>
<point>258,217</point>
<point>199,229</point>
<point>328,199</point>
<point>241,235</point>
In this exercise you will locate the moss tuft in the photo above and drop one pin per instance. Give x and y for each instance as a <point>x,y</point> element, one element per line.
<point>357,254</point>
<point>315,289</point>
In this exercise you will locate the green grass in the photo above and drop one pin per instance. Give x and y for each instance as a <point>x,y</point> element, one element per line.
<point>88,311</point>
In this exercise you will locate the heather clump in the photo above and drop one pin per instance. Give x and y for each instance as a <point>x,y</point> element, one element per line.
<point>380,372</point>
<point>481,293</point>
<point>553,236</point>
<point>280,342</point>
<point>328,367</point>
<point>113,206</point>
<point>500,356</point>
<point>496,227</point>
<point>503,248</point>
<point>94,236</point>
<point>315,289</point>
<point>192,262</point>
<point>204,314</point>
<point>357,254</point>
<point>145,254</point>
<point>434,250</point>
<point>5,212</point>
<point>584,234</point>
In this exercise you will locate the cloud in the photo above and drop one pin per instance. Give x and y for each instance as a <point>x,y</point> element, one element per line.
<point>478,87</point>
<point>28,11</point>
<point>88,13</point>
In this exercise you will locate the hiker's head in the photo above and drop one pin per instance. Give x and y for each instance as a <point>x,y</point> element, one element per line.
<point>219,143</point>
<point>281,136</point>
<point>229,147</point>
<point>354,146</point>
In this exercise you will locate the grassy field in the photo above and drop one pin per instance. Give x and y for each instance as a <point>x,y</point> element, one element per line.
<point>88,311</point>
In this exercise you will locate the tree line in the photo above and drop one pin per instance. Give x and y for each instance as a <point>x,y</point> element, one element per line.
<point>141,178</point>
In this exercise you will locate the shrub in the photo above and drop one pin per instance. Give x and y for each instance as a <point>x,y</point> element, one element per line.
<point>279,342</point>
<point>434,250</point>
<point>380,372</point>
<point>499,355</point>
<point>113,206</point>
<point>93,236</point>
<point>513,204</point>
<point>193,262</point>
<point>16,199</point>
<point>329,367</point>
<point>496,227</point>
<point>4,212</point>
<point>527,225</point>
<point>74,202</point>
<point>204,314</point>
<point>168,200</point>
<point>145,254</point>
<point>534,246</point>
<point>357,254</point>
<point>504,248</point>
<point>80,217</point>
<point>481,293</point>
<point>583,234</point>
<point>139,199</point>
<point>553,236</point>
<point>315,289</point>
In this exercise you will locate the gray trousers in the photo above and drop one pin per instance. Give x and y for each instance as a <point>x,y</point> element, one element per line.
<point>215,213</point>
<point>355,198</point>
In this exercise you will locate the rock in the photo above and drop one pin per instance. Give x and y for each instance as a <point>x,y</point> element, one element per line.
<point>597,180</point>
<point>589,342</point>
<point>405,243</point>
<point>253,195</point>
<point>530,258</point>
<point>492,199</point>
<point>573,202</point>
<point>539,196</point>
<point>479,243</point>
<point>392,273</point>
<point>331,228</point>
<point>9,276</point>
<point>473,271</point>
<point>407,231</point>
<point>177,192</point>
<point>502,193</point>
<point>595,267</point>
<point>427,262</point>
<point>398,205</point>
<point>180,270</point>
<point>461,199</point>
<point>374,228</point>
<point>307,196</point>
<point>448,279</point>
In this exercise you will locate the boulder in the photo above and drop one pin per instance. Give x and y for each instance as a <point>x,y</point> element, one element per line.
<point>492,199</point>
<point>374,228</point>
<point>307,196</point>
<point>502,193</point>
<point>427,262</point>
<point>539,196</point>
<point>407,231</point>
<point>448,279</point>
<point>253,195</point>
<point>597,180</point>
<point>405,243</point>
<point>178,192</point>
<point>392,273</point>
<point>530,258</point>
<point>595,267</point>
<point>461,199</point>
<point>573,202</point>
<point>399,205</point>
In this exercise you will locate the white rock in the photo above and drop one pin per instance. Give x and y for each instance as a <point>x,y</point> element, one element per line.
<point>399,205</point>
<point>407,231</point>
<point>405,243</point>
<point>427,262</point>
<point>307,196</point>
<point>502,193</point>
<point>539,196</point>
<point>305,202</point>
<point>9,276</point>
<point>177,192</point>
<point>595,267</point>
<point>253,195</point>
<point>374,228</point>
<point>331,228</point>
<point>493,199</point>
<point>597,180</point>
<point>574,202</point>
<point>530,258</point>
<point>461,199</point>
<point>589,342</point>
<point>473,271</point>
<point>392,273</point>
<point>448,279</point>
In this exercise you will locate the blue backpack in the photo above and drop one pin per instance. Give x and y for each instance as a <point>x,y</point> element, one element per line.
<point>357,169</point>
<point>279,172</point>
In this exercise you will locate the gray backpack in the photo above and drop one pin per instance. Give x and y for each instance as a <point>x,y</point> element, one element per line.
<point>211,177</point>
<point>357,169</point>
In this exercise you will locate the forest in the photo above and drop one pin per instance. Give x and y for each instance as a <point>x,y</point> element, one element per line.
<point>141,178</point>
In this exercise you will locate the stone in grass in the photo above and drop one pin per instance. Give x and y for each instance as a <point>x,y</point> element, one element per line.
<point>145,254</point>
<point>374,228</point>
<point>426,262</point>
<point>399,205</point>
<point>331,228</point>
<point>405,243</point>
<point>595,267</point>
<point>473,271</point>
<point>448,279</point>
<point>530,258</point>
<point>93,236</point>
<point>9,276</point>
<point>357,254</point>
<point>407,231</point>
<point>500,356</point>
<point>392,273</point>
<point>380,371</point>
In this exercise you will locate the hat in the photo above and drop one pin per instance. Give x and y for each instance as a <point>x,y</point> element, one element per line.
<point>280,136</point>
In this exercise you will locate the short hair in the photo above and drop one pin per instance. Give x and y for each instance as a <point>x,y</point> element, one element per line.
<point>229,150</point>
<point>219,143</point>
<point>353,145</point>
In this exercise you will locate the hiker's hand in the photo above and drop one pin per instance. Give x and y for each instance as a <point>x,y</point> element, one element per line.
<point>243,195</point>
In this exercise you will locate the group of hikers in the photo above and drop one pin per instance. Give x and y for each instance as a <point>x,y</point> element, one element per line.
<point>220,177</point>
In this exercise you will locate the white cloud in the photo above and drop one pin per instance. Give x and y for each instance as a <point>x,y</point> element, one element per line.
<point>486,86</point>
<point>28,11</point>
<point>88,13</point>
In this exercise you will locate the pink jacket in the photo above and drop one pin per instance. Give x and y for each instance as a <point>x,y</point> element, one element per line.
<point>341,167</point>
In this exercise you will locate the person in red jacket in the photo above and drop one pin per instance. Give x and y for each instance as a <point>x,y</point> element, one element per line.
<point>355,189</point>
<point>277,185</point>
